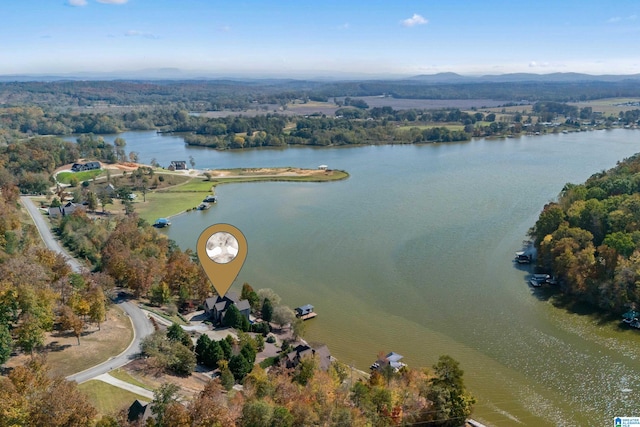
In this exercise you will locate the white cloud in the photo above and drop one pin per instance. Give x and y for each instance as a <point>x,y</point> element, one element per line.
<point>77,2</point>
<point>136,33</point>
<point>414,20</point>
<point>344,26</point>
<point>535,64</point>
<point>113,1</point>
<point>615,19</point>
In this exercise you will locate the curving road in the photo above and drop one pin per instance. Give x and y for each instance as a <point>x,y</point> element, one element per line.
<point>142,327</point>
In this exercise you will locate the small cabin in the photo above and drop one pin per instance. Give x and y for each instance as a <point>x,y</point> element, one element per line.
<point>323,167</point>
<point>305,312</point>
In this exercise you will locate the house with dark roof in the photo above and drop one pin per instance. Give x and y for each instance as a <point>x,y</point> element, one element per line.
<point>178,165</point>
<point>66,209</point>
<point>140,411</point>
<point>79,167</point>
<point>216,306</point>
<point>301,351</point>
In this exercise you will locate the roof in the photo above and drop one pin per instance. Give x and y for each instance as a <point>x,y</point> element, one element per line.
<point>394,357</point>
<point>243,305</point>
<point>306,307</point>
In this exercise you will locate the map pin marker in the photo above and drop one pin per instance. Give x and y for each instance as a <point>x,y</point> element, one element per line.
<point>222,249</point>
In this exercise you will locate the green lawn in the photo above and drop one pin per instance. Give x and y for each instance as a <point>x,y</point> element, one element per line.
<point>106,398</point>
<point>65,177</point>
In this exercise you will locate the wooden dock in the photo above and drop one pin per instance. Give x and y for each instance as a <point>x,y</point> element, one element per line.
<point>308,316</point>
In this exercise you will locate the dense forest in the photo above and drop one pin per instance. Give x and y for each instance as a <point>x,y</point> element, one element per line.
<point>590,238</point>
<point>213,95</point>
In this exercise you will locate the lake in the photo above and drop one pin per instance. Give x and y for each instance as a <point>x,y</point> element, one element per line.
<point>413,254</point>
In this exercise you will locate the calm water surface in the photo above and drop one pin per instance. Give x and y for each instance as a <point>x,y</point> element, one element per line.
<point>413,254</point>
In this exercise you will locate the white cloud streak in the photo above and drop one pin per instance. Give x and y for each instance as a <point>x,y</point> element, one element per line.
<point>136,33</point>
<point>77,3</point>
<point>414,20</point>
<point>113,1</point>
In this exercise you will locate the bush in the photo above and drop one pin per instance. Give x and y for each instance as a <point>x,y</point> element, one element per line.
<point>271,339</point>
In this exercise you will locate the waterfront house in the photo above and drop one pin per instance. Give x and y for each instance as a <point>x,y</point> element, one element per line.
<point>79,167</point>
<point>216,306</point>
<point>178,165</point>
<point>392,359</point>
<point>303,350</point>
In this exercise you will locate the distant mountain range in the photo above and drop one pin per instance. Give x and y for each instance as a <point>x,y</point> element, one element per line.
<point>523,77</point>
<point>439,78</point>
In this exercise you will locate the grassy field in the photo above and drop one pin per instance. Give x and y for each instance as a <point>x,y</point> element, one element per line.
<point>95,346</point>
<point>66,357</point>
<point>188,195</point>
<point>106,398</point>
<point>65,177</point>
<point>450,126</point>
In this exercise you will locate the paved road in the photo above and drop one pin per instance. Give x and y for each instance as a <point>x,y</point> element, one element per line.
<point>45,233</point>
<point>142,327</point>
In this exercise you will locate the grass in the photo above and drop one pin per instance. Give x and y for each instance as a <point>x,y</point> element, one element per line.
<point>123,375</point>
<point>165,204</point>
<point>95,347</point>
<point>171,201</point>
<point>452,127</point>
<point>108,399</point>
<point>65,177</point>
<point>155,310</point>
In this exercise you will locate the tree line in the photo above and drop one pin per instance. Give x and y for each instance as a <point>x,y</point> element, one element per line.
<point>590,238</point>
<point>217,95</point>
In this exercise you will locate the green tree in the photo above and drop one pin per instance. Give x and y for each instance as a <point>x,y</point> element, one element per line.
<point>30,334</point>
<point>267,310</point>
<point>5,343</point>
<point>239,367</point>
<point>452,404</point>
<point>257,413</point>
<point>281,417</point>
<point>163,396</point>
<point>226,376</point>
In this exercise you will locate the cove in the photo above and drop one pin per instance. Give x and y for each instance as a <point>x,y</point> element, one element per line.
<point>413,254</point>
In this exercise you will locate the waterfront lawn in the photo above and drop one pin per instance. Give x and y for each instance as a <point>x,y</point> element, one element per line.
<point>163,204</point>
<point>108,399</point>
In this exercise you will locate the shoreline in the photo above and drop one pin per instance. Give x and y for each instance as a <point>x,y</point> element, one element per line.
<point>199,185</point>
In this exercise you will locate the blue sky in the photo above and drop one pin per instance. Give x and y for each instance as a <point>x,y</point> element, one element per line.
<point>302,38</point>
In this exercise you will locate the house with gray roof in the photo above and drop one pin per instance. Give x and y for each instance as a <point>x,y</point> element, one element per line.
<point>216,306</point>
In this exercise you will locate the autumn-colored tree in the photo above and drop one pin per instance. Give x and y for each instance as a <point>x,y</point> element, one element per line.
<point>32,397</point>
<point>211,407</point>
